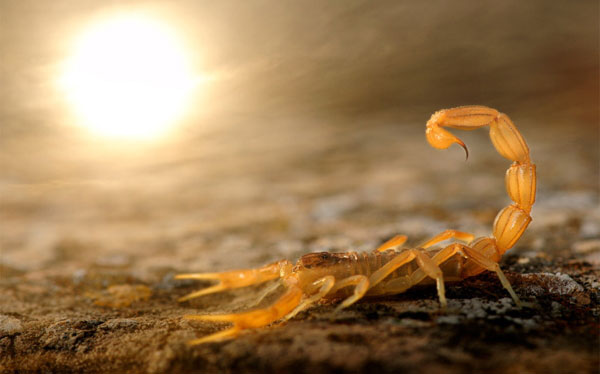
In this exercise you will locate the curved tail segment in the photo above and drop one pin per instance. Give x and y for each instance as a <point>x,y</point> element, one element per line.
<point>520,180</point>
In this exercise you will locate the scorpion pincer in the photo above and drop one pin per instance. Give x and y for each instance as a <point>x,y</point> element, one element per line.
<point>391,269</point>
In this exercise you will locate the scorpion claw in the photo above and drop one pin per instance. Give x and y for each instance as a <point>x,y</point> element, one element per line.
<point>251,319</point>
<point>212,317</point>
<point>202,292</point>
<point>233,279</point>
<point>216,337</point>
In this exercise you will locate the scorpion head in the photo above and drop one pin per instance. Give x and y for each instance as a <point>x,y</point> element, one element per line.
<point>318,260</point>
<point>313,266</point>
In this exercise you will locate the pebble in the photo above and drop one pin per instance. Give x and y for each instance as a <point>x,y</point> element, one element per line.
<point>9,325</point>
<point>558,283</point>
<point>119,323</point>
<point>449,320</point>
<point>556,309</point>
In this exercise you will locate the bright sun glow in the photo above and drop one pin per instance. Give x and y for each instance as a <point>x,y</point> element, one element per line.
<point>128,78</point>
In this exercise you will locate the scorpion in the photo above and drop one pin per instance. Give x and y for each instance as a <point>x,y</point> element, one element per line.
<point>391,269</point>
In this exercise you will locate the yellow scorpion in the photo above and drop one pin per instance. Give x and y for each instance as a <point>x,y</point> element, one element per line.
<point>391,269</point>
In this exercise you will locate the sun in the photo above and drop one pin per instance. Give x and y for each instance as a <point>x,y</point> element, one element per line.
<point>128,77</point>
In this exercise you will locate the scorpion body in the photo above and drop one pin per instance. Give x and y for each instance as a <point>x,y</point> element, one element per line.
<point>391,269</point>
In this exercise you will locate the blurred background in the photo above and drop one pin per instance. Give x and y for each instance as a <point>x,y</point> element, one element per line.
<point>299,127</point>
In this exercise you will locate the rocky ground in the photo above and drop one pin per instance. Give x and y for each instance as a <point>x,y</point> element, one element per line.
<point>87,264</point>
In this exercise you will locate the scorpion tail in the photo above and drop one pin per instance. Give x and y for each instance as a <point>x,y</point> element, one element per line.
<point>252,319</point>
<point>520,179</point>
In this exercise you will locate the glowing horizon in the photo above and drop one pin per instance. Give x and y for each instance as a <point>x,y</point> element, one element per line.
<point>128,77</point>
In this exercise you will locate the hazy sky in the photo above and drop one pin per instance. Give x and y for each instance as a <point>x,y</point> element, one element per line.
<point>340,57</point>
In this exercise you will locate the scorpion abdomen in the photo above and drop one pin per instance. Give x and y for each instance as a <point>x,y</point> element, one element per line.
<point>350,263</point>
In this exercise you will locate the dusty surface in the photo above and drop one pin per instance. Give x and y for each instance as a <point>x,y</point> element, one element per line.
<point>92,232</point>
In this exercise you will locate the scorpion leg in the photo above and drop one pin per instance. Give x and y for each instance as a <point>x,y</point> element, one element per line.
<point>396,241</point>
<point>423,261</point>
<point>233,279</point>
<point>440,257</point>
<point>252,319</point>
<point>399,285</point>
<point>361,286</point>
<point>491,265</point>
<point>474,256</point>
<point>324,285</point>
<point>448,234</point>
